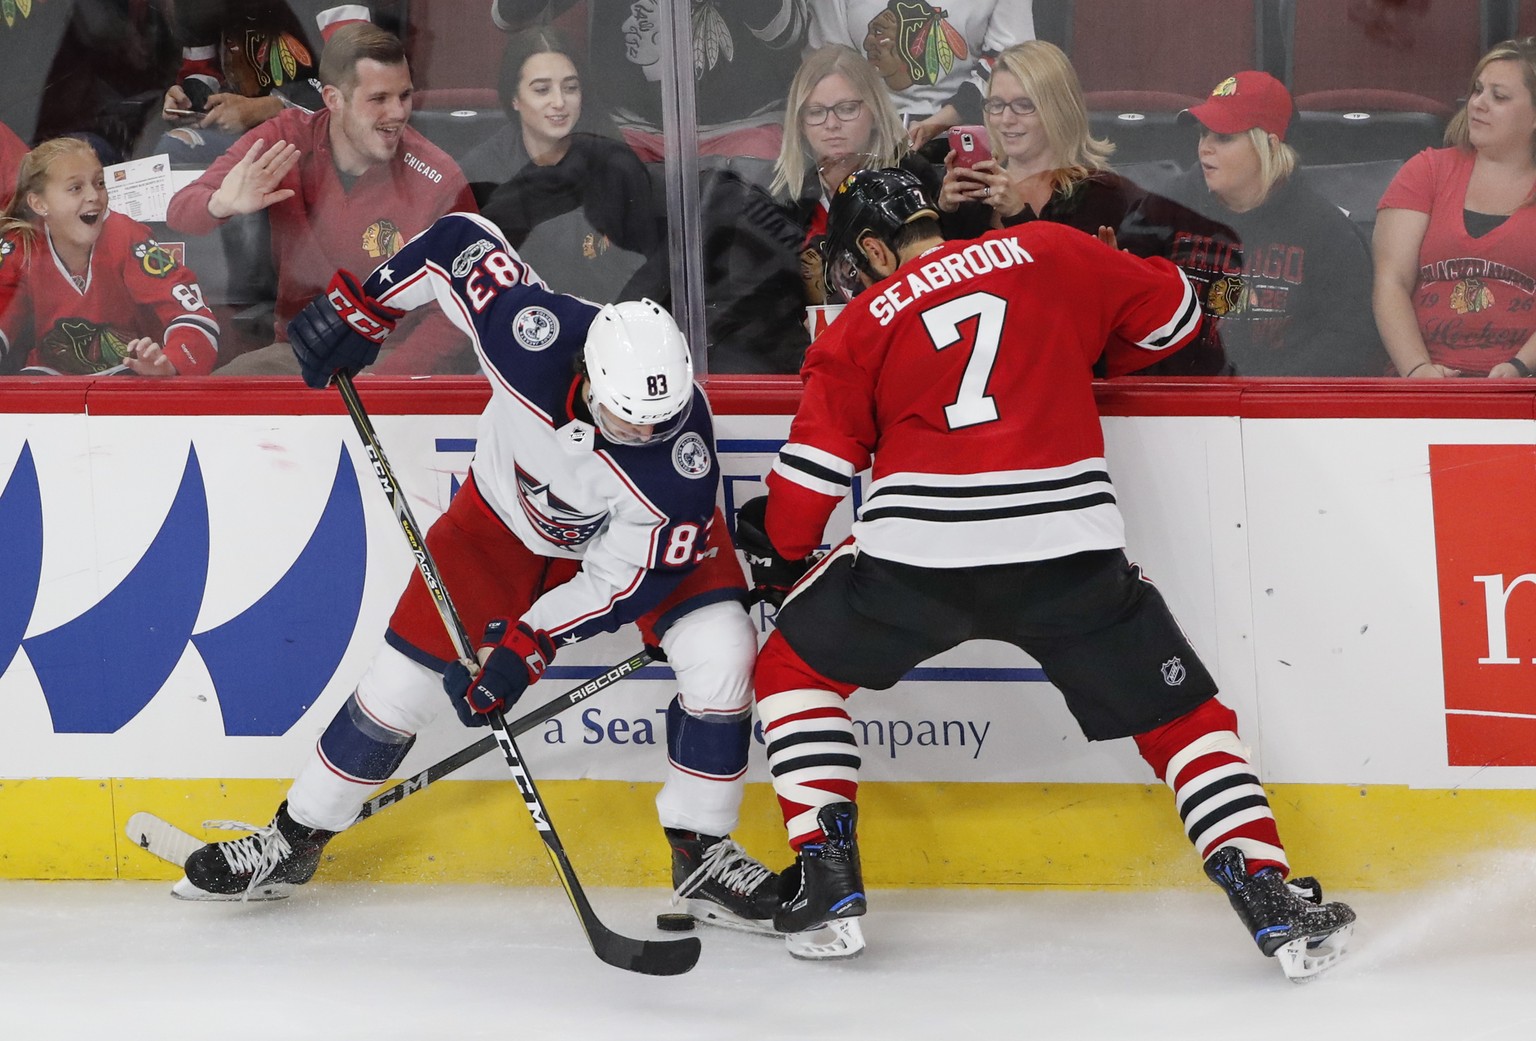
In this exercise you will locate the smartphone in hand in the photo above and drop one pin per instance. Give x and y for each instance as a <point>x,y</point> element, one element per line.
<point>969,143</point>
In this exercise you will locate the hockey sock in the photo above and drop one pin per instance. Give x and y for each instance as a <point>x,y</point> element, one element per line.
<point>355,754</point>
<point>812,754</point>
<point>1217,792</point>
<point>706,760</point>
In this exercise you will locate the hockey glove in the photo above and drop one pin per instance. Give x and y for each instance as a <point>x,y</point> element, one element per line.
<point>518,655</point>
<point>339,330</point>
<point>772,573</point>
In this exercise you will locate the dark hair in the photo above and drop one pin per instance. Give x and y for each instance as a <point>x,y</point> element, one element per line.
<point>352,43</point>
<point>522,46</point>
<point>915,230</point>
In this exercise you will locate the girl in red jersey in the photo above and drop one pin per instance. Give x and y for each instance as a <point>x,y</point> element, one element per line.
<point>84,290</point>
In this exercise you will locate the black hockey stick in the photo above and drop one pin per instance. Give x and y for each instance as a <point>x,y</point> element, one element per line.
<point>652,957</point>
<point>521,725</point>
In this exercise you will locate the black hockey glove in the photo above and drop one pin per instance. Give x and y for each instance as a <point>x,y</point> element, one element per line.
<point>518,656</point>
<point>772,573</point>
<point>341,329</point>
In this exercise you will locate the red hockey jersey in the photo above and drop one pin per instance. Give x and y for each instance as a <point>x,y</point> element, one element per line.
<point>135,287</point>
<point>330,224</point>
<point>12,149</point>
<point>967,379</point>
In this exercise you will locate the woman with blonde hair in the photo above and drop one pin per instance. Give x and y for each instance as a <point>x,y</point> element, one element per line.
<point>1455,241</point>
<point>84,290</point>
<point>839,118</point>
<point>1045,164</point>
<point>1283,275</point>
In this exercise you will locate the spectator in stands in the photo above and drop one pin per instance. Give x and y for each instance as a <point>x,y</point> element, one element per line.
<point>12,148</point>
<point>242,63</point>
<point>84,290</point>
<point>1455,240</point>
<point>1283,272</point>
<point>744,53</point>
<point>840,119</point>
<point>344,187</point>
<point>576,205</point>
<point>934,60</point>
<point>1045,165</point>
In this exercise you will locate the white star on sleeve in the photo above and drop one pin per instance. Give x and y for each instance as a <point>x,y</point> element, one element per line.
<point>385,274</point>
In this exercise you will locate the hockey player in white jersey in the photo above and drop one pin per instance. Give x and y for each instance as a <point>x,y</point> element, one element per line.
<point>590,503</point>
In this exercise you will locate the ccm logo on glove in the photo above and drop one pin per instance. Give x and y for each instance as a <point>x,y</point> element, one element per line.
<point>512,660</point>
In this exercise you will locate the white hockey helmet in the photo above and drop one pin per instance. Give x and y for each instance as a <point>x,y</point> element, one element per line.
<point>639,368</point>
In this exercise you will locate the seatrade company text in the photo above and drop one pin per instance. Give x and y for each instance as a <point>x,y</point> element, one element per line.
<point>893,736</point>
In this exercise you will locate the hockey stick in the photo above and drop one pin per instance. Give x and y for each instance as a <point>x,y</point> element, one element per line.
<point>469,753</point>
<point>652,957</point>
<point>160,838</point>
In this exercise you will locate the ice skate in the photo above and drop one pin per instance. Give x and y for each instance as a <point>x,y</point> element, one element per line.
<point>716,881</point>
<point>823,891</point>
<point>1288,920</point>
<point>265,865</point>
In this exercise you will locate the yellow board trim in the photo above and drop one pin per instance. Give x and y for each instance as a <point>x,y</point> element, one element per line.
<point>912,834</point>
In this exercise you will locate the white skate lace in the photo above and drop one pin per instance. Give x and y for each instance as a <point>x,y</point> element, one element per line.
<point>729,864</point>
<point>259,853</point>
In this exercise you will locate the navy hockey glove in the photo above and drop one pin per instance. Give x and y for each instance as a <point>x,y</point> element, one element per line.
<point>772,573</point>
<point>339,330</point>
<point>518,656</point>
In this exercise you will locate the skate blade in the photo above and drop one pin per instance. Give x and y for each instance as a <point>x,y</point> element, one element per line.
<point>839,938</point>
<point>1305,959</point>
<point>185,890</point>
<point>711,913</point>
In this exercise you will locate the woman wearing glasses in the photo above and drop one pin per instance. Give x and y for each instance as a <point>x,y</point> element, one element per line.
<point>839,119</point>
<point>1045,166</point>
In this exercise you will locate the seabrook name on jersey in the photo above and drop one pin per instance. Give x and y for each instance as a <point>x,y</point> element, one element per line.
<point>976,259</point>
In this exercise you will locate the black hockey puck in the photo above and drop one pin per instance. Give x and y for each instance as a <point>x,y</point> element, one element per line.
<point>676,922</point>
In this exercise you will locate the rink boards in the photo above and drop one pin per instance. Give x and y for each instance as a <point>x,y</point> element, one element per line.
<point>196,577</point>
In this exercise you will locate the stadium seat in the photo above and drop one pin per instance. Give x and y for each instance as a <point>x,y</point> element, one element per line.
<point>1378,79</point>
<point>1355,188</point>
<point>1142,63</point>
<point>455,53</point>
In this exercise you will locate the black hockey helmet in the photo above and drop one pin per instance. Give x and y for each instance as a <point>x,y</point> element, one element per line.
<point>868,202</point>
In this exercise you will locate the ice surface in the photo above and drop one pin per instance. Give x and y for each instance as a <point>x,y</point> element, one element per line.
<point>351,962</point>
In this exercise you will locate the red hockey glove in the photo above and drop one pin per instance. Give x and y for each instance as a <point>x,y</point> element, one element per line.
<point>772,573</point>
<point>340,329</point>
<point>518,655</point>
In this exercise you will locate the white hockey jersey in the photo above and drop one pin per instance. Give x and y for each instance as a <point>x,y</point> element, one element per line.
<point>636,516</point>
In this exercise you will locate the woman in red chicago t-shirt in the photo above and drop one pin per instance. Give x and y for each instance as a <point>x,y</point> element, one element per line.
<point>1455,241</point>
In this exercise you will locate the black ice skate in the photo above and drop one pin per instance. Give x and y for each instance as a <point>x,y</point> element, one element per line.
<point>717,882</point>
<point>265,865</point>
<point>823,890</point>
<point>1288,920</point>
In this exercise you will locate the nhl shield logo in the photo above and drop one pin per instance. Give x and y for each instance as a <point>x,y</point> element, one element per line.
<point>1173,672</point>
<point>691,456</point>
<point>535,328</point>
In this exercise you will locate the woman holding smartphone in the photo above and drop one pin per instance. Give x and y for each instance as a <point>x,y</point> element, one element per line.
<point>1044,165</point>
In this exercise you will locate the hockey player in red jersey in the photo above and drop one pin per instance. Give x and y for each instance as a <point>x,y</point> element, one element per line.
<point>961,374</point>
<point>84,290</point>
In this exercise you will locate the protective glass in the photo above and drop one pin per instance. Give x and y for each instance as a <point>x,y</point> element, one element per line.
<point>815,115</point>
<point>1018,106</point>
